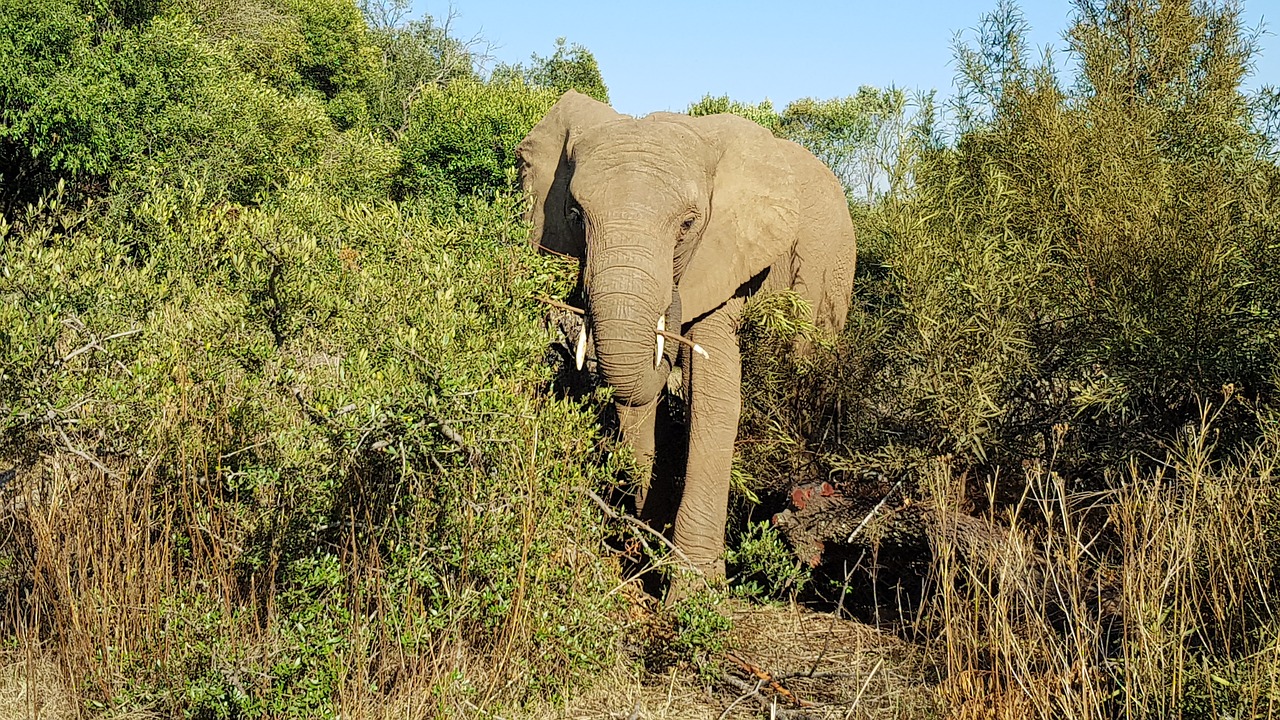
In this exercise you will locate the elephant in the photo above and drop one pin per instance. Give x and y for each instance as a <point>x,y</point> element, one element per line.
<point>676,221</point>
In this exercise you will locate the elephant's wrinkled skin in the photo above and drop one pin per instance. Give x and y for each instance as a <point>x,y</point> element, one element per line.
<point>682,218</point>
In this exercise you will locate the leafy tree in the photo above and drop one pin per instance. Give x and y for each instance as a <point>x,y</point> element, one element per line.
<point>264,37</point>
<point>120,13</point>
<point>136,104</point>
<point>1096,255</point>
<point>340,55</point>
<point>854,135</point>
<point>414,57</point>
<point>462,137</point>
<point>761,113</point>
<point>570,67</point>
<point>1266,118</point>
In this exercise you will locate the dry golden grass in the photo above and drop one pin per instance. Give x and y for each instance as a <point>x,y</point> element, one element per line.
<point>34,689</point>
<point>1148,601</point>
<point>783,659</point>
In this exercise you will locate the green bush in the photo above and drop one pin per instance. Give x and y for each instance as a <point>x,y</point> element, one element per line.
<point>855,136</point>
<point>1092,258</point>
<point>129,106</point>
<point>570,67</point>
<point>763,566</point>
<point>263,37</point>
<point>415,56</point>
<point>340,54</point>
<point>761,113</point>
<point>358,165</point>
<point>336,411</point>
<point>461,138</point>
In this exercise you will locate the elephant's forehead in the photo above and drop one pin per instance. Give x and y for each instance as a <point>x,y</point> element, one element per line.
<point>640,140</point>
<point>624,187</point>
<point>639,160</point>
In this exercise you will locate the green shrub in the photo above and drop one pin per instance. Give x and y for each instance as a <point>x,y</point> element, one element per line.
<point>263,37</point>
<point>570,67</point>
<point>335,409</point>
<point>763,566</point>
<point>1093,257</point>
<point>415,56</point>
<point>340,54</point>
<point>358,165</point>
<point>461,138</point>
<point>700,627</point>
<point>130,106</point>
<point>762,113</point>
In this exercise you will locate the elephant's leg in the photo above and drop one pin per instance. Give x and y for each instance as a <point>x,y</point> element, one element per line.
<point>715,401</point>
<point>637,424</point>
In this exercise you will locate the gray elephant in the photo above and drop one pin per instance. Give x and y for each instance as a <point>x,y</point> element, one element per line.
<point>677,221</point>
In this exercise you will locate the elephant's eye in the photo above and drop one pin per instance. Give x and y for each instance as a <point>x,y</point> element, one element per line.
<point>688,223</point>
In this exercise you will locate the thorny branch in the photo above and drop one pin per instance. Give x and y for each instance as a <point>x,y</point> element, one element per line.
<point>764,676</point>
<point>559,305</point>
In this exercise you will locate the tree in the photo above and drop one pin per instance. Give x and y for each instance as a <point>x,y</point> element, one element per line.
<point>570,67</point>
<point>762,113</point>
<point>415,56</point>
<point>153,100</point>
<point>462,137</point>
<point>855,136</point>
<point>1098,252</point>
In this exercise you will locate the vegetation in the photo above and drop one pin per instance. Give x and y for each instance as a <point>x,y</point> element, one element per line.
<point>1063,354</point>
<point>285,440</point>
<point>570,67</point>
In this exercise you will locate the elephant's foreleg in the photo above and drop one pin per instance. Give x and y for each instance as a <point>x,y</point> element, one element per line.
<point>715,401</point>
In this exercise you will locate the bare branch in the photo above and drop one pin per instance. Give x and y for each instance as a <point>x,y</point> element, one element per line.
<point>643,526</point>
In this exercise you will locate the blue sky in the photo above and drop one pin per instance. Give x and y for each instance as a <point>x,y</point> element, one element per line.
<point>663,54</point>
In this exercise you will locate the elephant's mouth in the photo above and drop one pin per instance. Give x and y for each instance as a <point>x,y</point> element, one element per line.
<point>660,343</point>
<point>666,337</point>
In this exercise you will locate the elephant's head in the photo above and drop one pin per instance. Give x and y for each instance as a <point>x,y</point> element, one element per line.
<point>671,215</point>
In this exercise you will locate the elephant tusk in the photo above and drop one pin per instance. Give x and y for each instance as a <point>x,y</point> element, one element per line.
<point>657,356</point>
<point>580,355</point>
<point>684,341</point>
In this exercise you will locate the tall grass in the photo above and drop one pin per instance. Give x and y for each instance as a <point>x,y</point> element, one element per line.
<point>1149,600</point>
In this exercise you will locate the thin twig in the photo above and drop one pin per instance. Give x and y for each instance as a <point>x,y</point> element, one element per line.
<point>684,341</point>
<point>480,710</point>
<point>858,698</point>
<point>775,683</point>
<point>664,333</point>
<point>873,512</point>
<point>96,344</point>
<point>86,456</point>
<point>640,524</point>
<point>743,696</point>
<point>743,687</point>
<point>558,254</point>
<point>560,305</point>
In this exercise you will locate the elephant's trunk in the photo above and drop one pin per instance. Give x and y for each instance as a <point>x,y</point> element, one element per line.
<point>627,299</point>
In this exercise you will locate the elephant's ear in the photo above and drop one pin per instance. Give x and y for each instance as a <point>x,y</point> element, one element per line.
<point>543,161</point>
<point>754,213</point>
